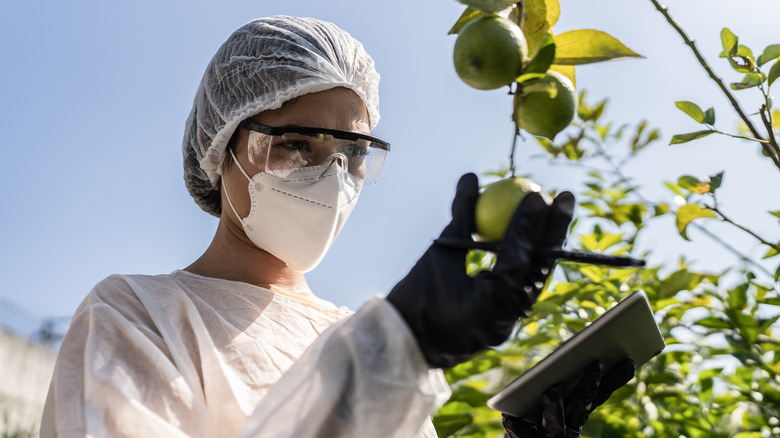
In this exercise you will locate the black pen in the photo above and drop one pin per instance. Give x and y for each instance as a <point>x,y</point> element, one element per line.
<point>557,253</point>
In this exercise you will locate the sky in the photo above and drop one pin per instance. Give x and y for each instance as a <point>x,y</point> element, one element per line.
<point>95,96</point>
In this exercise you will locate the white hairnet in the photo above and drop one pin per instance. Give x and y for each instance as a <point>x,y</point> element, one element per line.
<point>263,64</point>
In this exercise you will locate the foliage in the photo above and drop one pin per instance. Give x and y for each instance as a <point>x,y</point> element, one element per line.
<point>720,373</point>
<point>547,51</point>
<point>11,429</point>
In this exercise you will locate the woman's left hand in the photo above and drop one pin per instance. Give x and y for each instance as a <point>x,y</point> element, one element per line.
<point>564,412</point>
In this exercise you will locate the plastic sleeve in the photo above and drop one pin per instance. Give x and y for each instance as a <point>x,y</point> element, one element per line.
<point>364,376</point>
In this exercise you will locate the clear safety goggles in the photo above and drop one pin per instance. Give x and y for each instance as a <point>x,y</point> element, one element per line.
<point>288,148</point>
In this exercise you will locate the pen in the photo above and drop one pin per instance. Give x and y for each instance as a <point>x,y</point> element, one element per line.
<point>573,256</point>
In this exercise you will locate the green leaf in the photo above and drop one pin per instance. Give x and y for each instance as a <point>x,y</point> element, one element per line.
<point>693,184</point>
<point>484,361</point>
<point>589,113</point>
<point>742,61</point>
<point>772,252</point>
<point>594,273</point>
<point>553,10</point>
<point>772,301</point>
<point>470,394</point>
<point>543,58</point>
<point>539,17</point>
<point>467,16</point>
<point>685,138</point>
<point>709,374</point>
<point>730,42</point>
<point>714,323</point>
<point>715,181</point>
<point>633,212</point>
<point>749,81</point>
<point>548,146</point>
<point>709,116</point>
<point>489,6</point>
<point>770,52</point>
<point>679,281</point>
<point>589,241</point>
<point>692,110</point>
<point>775,213</point>
<point>688,213</point>
<point>674,188</point>
<point>777,274</point>
<point>774,73</point>
<point>566,70</point>
<point>608,240</point>
<point>452,417</point>
<point>586,46</point>
<point>738,297</point>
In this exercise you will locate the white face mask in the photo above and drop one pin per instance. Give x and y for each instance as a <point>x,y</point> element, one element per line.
<point>297,214</point>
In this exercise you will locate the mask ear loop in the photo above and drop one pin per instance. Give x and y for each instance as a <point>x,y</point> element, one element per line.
<point>332,159</point>
<point>224,186</point>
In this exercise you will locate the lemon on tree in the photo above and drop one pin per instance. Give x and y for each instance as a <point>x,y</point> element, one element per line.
<point>497,203</point>
<point>489,52</point>
<point>546,106</point>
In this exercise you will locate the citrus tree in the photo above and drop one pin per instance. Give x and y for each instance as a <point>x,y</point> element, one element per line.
<point>720,373</point>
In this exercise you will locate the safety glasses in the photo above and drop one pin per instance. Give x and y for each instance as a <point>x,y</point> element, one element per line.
<point>286,148</point>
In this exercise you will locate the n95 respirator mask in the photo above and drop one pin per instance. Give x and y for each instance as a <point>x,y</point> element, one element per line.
<point>295,215</point>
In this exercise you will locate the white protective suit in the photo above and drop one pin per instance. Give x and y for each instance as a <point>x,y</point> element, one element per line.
<point>185,355</point>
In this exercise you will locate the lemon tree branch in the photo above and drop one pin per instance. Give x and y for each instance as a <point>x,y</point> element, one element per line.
<point>768,125</point>
<point>743,228</point>
<point>617,170</point>
<point>741,137</point>
<point>734,103</point>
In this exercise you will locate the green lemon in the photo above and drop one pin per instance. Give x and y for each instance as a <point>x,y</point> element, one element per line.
<point>497,203</point>
<point>489,52</point>
<point>541,114</point>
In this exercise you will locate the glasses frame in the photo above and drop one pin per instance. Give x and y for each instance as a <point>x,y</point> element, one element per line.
<point>305,130</point>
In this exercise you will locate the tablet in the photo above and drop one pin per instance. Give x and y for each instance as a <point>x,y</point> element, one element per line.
<point>627,330</point>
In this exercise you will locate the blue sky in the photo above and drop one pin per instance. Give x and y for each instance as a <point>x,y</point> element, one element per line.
<point>96,94</point>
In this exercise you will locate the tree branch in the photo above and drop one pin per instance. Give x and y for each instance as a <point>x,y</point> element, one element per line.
<point>745,259</point>
<point>734,103</point>
<point>747,230</point>
<point>768,125</point>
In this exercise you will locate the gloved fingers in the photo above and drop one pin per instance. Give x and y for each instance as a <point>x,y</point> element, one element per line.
<point>555,230</point>
<point>553,414</point>
<point>524,233</point>
<point>519,428</point>
<point>537,277</point>
<point>463,225</point>
<point>579,399</point>
<point>613,379</point>
<point>560,217</point>
<point>498,331</point>
<point>504,295</point>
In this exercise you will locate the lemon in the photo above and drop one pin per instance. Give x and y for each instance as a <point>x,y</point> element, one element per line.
<point>489,52</point>
<point>538,113</point>
<point>497,203</point>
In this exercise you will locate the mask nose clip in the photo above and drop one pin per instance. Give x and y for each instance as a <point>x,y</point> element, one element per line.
<point>338,156</point>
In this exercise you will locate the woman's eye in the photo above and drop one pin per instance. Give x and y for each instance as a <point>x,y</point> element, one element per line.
<point>293,145</point>
<point>354,151</point>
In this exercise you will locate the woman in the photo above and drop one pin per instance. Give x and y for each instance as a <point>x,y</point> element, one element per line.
<point>278,146</point>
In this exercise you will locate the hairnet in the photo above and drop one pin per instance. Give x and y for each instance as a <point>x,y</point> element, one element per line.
<point>263,64</point>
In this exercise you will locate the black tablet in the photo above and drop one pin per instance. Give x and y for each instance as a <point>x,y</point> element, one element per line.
<point>627,330</point>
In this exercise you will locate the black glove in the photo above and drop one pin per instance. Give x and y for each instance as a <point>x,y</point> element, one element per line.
<point>453,315</point>
<point>565,411</point>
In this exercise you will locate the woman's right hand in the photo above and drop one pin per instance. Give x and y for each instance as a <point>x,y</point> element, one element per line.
<point>454,315</point>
